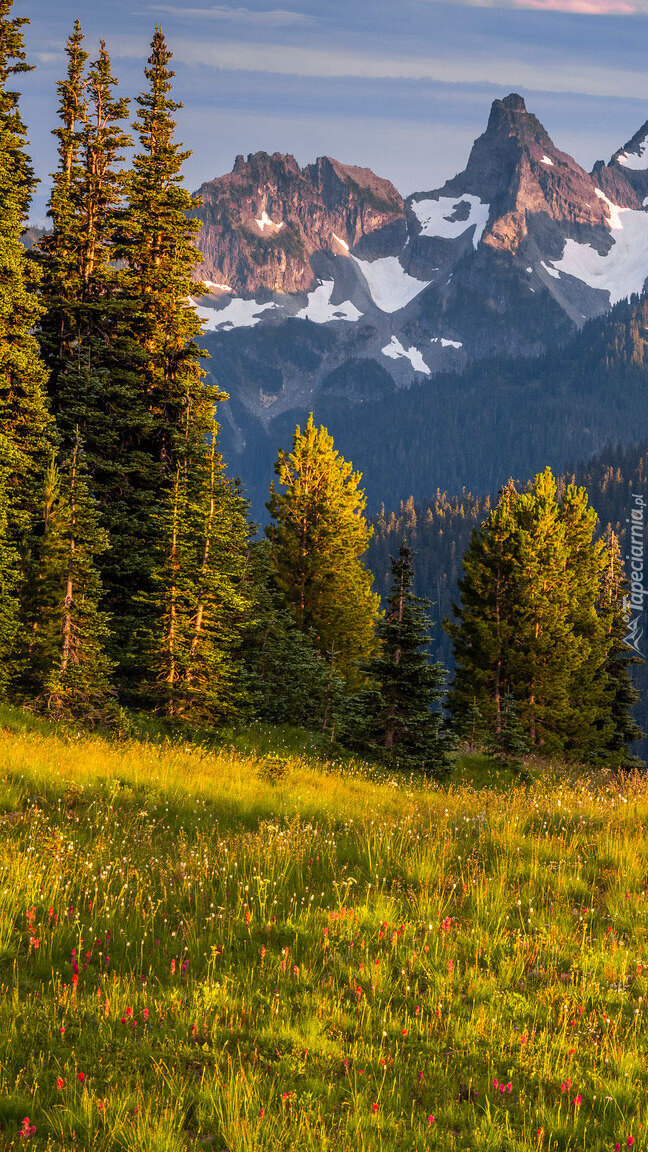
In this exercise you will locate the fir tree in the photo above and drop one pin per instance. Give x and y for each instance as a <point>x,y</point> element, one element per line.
<point>9,571</point>
<point>24,417</point>
<point>318,537</point>
<point>407,722</point>
<point>484,632</point>
<point>622,695</point>
<point>174,408</point>
<point>199,601</point>
<point>70,648</point>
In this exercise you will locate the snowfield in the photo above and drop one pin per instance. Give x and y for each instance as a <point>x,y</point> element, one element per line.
<point>237,314</point>
<point>320,310</point>
<point>395,351</point>
<point>436,217</point>
<point>390,286</point>
<point>636,161</point>
<point>625,268</point>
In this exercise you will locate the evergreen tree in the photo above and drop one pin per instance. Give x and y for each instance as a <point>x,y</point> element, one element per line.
<point>199,602</point>
<point>174,408</point>
<point>484,633</point>
<point>24,418</point>
<point>407,722</point>
<point>287,679</point>
<point>9,571</point>
<point>529,624</point>
<point>70,646</point>
<point>622,695</point>
<point>318,537</point>
<point>510,744</point>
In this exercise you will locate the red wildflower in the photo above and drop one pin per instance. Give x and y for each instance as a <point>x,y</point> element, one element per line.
<point>59,1083</point>
<point>374,1107</point>
<point>81,1077</point>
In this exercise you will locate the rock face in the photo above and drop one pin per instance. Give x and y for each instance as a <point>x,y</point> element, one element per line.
<point>262,223</point>
<point>323,283</point>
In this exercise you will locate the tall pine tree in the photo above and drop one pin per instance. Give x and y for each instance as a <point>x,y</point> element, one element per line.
<point>25,425</point>
<point>319,535</point>
<point>407,722</point>
<point>69,650</point>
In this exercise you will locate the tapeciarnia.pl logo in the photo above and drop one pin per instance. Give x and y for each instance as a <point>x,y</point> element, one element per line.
<point>634,603</point>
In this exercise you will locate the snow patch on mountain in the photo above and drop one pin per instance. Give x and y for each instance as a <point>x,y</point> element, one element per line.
<point>343,244</point>
<point>636,161</point>
<point>547,160</point>
<point>443,218</point>
<point>265,222</point>
<point>390,286</point>
<point>445,343</point>
<point>625,267</point>
<point>237,314</point>
<point>217,287</point>
<point>395,351</point>
<point>320,310</point>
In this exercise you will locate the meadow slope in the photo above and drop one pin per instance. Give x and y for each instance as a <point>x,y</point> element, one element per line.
<point>249,950</point>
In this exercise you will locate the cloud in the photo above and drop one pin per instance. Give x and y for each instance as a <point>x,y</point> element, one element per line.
<point>581,7</point>
<point>574,7</point>
<point>327,63</point>
<point>275,18</point>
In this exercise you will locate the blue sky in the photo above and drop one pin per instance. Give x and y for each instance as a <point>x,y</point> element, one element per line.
<point>402,86</point>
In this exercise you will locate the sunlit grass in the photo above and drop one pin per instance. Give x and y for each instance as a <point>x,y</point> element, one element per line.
<point>255,947</point>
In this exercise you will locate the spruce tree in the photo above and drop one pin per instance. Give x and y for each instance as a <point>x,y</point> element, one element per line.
<point>9,571</point>
<point>407,723</point>
<point>199,602</point>
<point>621,692</point>
<point>70,646</point>
<point>176,407</point>
<point>24,417</point>
<point>530,626</point>
<point>319,535</point>
<point>484,629</point>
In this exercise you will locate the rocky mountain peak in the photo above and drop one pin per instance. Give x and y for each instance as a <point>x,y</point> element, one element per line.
<point>264,221</point>
<point>516,169</point>
<point>625,179</point>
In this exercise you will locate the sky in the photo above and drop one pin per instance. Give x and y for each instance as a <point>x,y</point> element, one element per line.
<point>400,86</point>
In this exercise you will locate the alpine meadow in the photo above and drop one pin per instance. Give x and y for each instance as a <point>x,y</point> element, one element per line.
<point>323,801</point>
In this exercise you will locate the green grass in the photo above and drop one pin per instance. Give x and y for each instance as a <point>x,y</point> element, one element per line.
<point>276,951</point>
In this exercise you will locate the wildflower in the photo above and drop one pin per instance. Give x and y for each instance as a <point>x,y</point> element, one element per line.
<point>145,1014</point>
<point>374,1108</point>
<point>27,1129</point>
<point>630,1141</point>
<point>261,1113</point>
<point>59,1083</point>
<point>62,1029</point>
<point>495,1084</point>
<point>430,1120</point>
<point>420,1077</point>
<point>578,1100</point>
<point>509,1087</point>
<point>81,1077</point>
<point>403,1031</point>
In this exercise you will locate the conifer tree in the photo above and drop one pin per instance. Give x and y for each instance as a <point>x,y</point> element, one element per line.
<point>199,602</point>
<point>622,694</point>
<point>81,283</point>
<point>318,537</point>
<point>70,646</point>
<point>484,632</point>
<point>24,417</point>
<point>9,571</point>
<point>407,721</point>
<point>175,406</point>
<point>529,623</point>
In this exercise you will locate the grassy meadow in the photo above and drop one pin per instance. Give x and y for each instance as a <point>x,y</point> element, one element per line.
<point>253,948</point>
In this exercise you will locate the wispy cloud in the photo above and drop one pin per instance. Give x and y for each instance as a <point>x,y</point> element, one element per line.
<point>525,73</point>
<point>582,7</point>
<point>274,18</point>
<point>575,7</point>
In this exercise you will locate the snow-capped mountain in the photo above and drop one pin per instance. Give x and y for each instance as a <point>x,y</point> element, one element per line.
<point>323,282</point>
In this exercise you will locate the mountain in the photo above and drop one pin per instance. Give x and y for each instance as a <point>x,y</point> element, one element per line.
<point>328,291</point>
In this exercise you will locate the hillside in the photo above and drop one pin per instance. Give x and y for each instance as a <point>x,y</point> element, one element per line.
<point>261,950</point>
